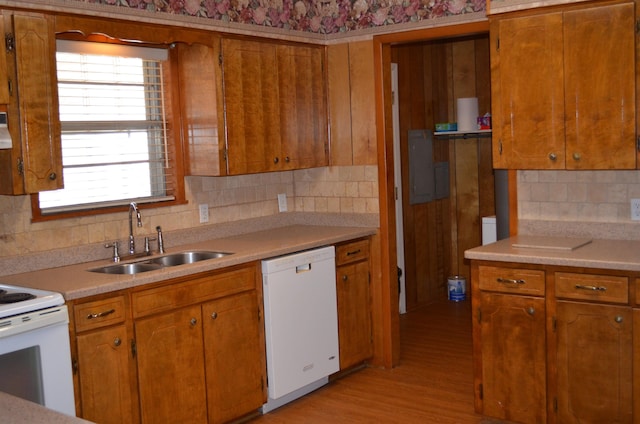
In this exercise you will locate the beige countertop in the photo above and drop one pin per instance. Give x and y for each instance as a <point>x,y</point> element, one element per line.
<point>621,255</point>
<point>15,410</point>
<point>75,281</point>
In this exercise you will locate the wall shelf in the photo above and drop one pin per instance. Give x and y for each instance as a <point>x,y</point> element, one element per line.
<point>463,134</point>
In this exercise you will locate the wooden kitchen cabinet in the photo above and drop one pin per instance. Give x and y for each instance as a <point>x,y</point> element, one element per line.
<point>563,88</point>
<point>171,367</point>
<point>351,86</point>
<point>235,359</point>
<point>105,366</point>
<point>200,339</point>
<point>354,303</point>
<point>34,163</point>
<point>275,106</point>
<point>510,343</point>
<point>562,354</point>
<point>594,349</point>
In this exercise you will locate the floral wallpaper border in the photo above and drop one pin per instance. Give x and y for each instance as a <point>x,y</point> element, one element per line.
<point>310,16</point>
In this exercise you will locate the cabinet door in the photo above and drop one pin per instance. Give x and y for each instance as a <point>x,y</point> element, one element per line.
<point>38,103</point>
<point>354,314</point>
<point>527,92</point>
<point>235,357</point>
<point>250,85</point>
<point>513,352</point>
<point>105,366</point>
<point>199,99</point>
<point>171,379</point>
<point>303,107</point>
<point>599,78</point>
<point>594,363</point>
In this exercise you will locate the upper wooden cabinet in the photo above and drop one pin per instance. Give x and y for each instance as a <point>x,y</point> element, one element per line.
<point>275,106</point>
<point>352,111</point>
<point>34,163</point>
<point>563,88</point>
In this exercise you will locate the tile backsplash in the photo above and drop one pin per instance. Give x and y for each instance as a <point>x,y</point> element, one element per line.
<point>348,190</point>
<point>577,196</point>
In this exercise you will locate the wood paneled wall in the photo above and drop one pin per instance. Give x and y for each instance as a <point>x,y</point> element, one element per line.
<point>431,76</point>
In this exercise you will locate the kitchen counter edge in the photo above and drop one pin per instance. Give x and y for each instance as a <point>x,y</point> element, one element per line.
<point>623,255</point>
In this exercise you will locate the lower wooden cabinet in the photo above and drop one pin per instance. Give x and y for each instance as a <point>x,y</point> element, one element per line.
<point>188,350</point>
<point>354,303</point>
<point>104,364</point>
<point>513,357</point>
<point>564,355</point>
<point>594,363</point>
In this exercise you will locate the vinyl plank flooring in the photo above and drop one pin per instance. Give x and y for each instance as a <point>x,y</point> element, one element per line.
<point>432,384</point>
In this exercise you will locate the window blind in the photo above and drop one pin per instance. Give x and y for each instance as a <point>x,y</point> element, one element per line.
<point>114,129</point>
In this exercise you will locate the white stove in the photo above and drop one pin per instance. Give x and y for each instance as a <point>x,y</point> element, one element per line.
<point>19,300</point>
<point>35,354</point>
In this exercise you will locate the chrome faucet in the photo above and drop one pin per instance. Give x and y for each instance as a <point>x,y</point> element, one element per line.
<point>133,208</point>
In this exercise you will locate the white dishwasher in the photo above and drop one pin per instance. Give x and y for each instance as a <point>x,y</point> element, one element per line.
<point>301,323</point>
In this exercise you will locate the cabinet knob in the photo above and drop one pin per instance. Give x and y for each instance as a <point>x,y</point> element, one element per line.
<point>214,315</point>
<point>531,310</point>
<point>619,319</point>
<point>553,156</point>
<point>286,159</point>
<point>276,160</point>
<point>193,322</point>
<point>576,156</point>
<point>117,341</point>
<point>345,278</point>
<point>53,176</point>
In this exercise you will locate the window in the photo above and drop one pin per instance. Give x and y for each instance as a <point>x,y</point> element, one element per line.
<point>115,138</point>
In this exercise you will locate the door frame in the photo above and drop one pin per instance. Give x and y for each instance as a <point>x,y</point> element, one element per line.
<point>390,349</point>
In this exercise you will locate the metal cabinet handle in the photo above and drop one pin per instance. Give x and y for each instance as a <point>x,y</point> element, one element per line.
<point>193,322</point>
<point>576,156</point>
<point>510,281</point>
<point>591,288</point>
<point>619,319</point>
<point>101,314</point>
<point>214,315</point>
<point>553,156</point>
<point>287,160</point>
<point>354,252</point>
<point>276,160</point>
<point>345,278</point>
<point>53,176</point>
<point>531,310</point>
<point>117,341</point>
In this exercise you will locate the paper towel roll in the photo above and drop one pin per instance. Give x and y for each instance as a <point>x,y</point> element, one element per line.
<point>467,111</point>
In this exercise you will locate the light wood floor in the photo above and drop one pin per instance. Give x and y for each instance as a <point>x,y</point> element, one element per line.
<point>432,384</point>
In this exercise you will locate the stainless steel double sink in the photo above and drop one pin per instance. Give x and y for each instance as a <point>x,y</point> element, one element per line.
<point>168,260</point>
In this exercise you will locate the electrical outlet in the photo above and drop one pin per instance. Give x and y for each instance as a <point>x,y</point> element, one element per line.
<point>204,213</point>
<point>635,209</point>
<point>282,202</point>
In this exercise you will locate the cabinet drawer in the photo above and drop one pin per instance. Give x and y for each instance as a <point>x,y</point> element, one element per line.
<point>352,252</point>
<point>99,313</point>
<point>193,290</point>
<point>603,288</point>
<point>512,280</point>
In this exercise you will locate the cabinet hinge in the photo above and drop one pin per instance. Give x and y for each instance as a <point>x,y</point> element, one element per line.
<point>220,59</point>
<point>638,143</point>
<point>497,44</point>
<point>20,166</point>
<point>555,405</point>
<point>10,85</point>
<point>10,42</point>
<point>500,147</point>
<point>480,391</point>
<point>134,348</point>
<point>554,323</point>
<point>224,154</point>
<point>479,317</point>
<point>74,365</point>
<point>637,27</point>
<point>259,315</point>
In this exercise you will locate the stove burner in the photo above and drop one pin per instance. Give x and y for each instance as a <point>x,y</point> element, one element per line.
<point>15,297</point>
